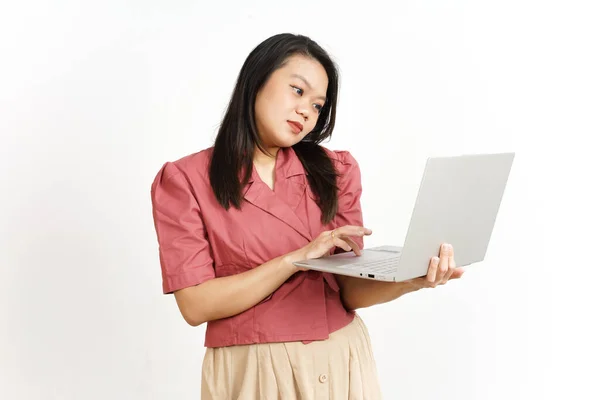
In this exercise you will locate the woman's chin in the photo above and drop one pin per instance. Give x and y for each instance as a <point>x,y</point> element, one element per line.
<point>287,140</point>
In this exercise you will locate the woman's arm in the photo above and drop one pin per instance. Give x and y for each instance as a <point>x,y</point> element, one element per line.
<point>361,293</point>
<point>227,296</point>
<point>230,295</point>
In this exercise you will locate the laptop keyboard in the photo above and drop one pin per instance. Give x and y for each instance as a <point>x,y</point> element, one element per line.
<point>387,266</point>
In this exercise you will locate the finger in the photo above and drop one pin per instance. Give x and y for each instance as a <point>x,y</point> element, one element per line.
<point>447,275</point>
<point>433,266</point>
<point>443,267</point>
<point>451,265</point>
<point>457,273</point>
<point>339,242</point>
<point>451,262</point>
<point>354,245</point>
<point>352,230</point>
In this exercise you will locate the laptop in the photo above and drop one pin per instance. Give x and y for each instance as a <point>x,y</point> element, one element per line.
<point>457,203</point>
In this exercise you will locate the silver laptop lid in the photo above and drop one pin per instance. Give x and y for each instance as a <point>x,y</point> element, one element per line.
<point>457,203</point>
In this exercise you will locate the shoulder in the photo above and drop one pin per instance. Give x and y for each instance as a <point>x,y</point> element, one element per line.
<point>343,160</point>
<point>192,165</point>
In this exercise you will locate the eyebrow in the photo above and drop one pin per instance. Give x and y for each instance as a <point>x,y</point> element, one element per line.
<point>303,79</point>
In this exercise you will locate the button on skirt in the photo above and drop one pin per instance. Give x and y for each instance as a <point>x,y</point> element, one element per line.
<point>341,367</point>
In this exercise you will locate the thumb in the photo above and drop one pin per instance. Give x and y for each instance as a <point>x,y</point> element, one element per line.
<point>457,273</point>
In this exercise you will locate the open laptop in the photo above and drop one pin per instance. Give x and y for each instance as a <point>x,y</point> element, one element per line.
<point>457,203</point>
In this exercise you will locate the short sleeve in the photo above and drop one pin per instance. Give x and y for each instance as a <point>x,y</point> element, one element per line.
<point>349,193</point>
<point>184,252</point>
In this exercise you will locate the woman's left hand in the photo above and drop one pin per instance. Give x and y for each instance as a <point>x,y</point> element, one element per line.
<point>441,269</point>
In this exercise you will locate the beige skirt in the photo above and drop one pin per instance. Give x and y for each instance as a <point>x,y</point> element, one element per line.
<point>341,367</point>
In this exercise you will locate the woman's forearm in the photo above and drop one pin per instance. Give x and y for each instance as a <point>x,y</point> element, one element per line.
<point>360,293</point>
<point>230,295</point>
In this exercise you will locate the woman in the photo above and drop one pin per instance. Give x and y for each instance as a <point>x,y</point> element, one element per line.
<point>231,220</point>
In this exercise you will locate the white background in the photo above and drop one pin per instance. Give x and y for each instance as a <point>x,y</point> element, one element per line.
<point>96,96</point>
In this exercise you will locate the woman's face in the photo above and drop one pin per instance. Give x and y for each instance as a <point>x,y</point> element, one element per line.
<point>287,107</point>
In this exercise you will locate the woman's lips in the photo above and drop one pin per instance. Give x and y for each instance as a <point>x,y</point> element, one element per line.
<point>296,126</point>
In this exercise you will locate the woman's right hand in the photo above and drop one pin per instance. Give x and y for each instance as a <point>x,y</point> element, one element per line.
<point>339,237</point>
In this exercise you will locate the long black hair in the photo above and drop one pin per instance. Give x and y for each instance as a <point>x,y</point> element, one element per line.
<point>233,153</point>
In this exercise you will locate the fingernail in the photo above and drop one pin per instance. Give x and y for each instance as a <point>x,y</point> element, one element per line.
<point>446,246</point>
<point>436,260</point>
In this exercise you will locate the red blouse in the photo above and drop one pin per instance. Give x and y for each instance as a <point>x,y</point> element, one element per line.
<point>199,240</point>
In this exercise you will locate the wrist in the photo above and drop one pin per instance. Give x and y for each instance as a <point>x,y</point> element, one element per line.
<point>290,258</point>
<point>404,287</point>
<point>410,285</point>
<point>296,255</point>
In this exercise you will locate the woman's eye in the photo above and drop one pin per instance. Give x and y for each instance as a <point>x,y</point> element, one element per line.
<point>318,107</point>
<point>298,90</point>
